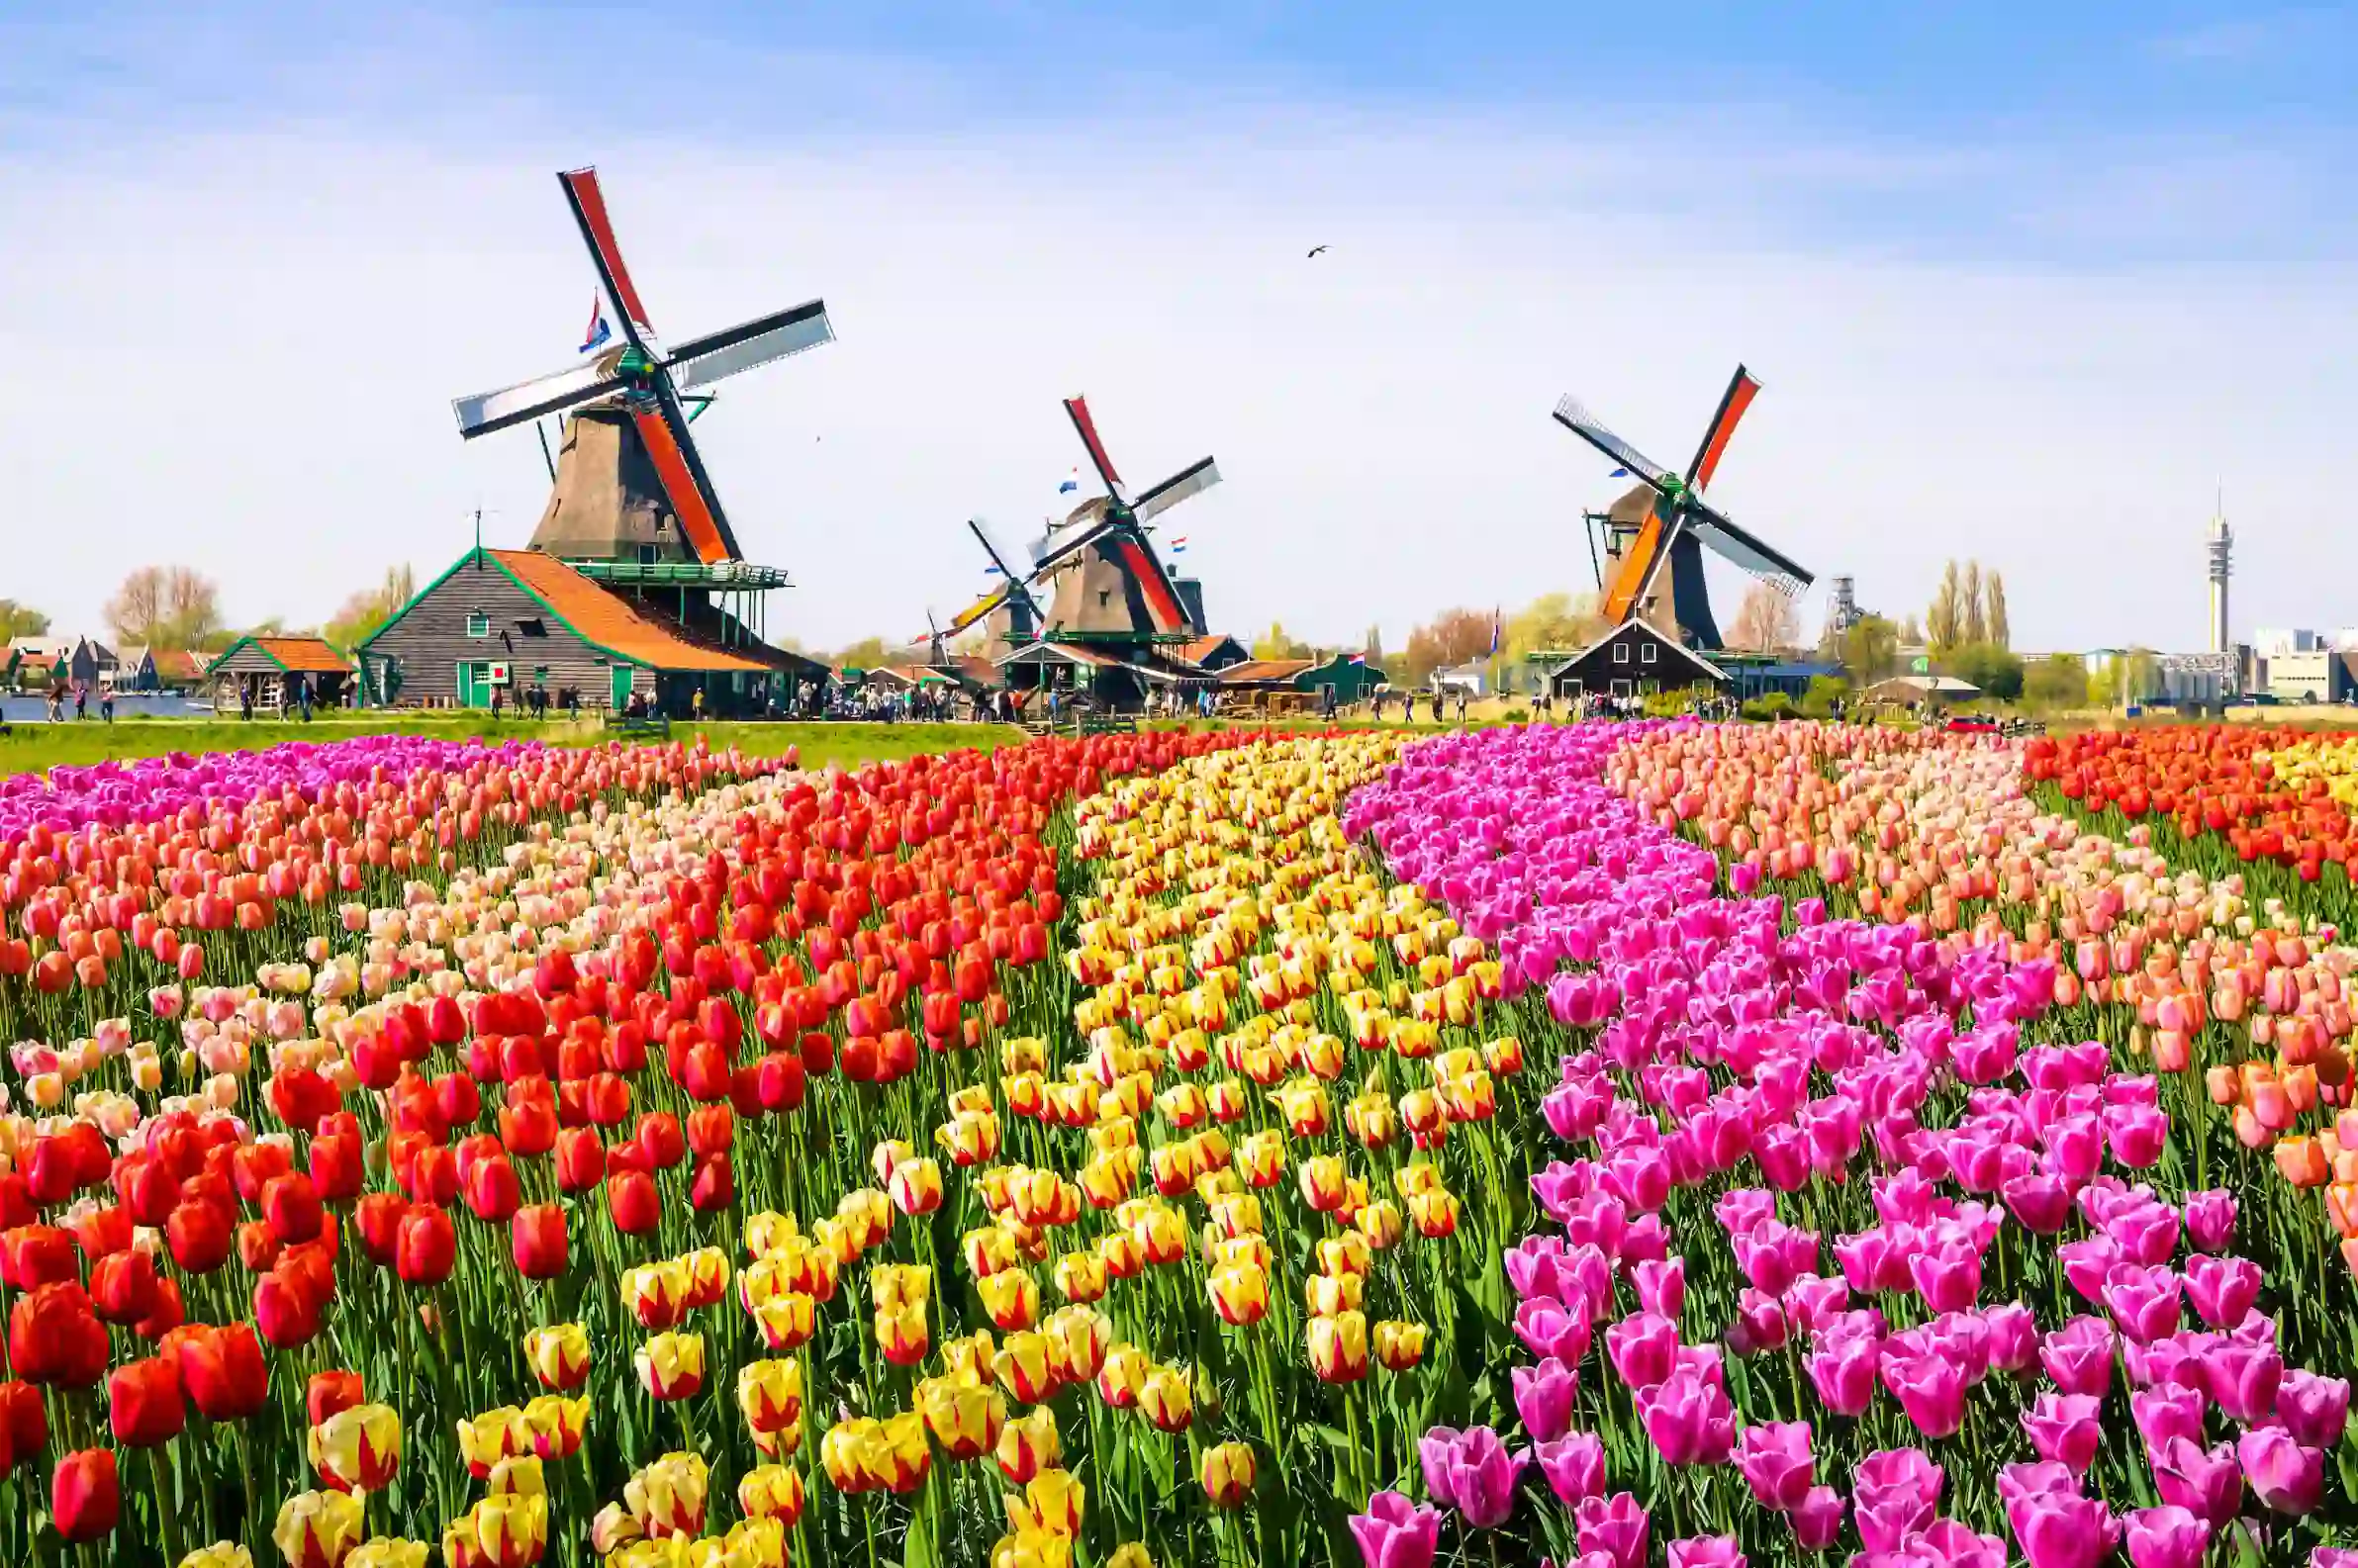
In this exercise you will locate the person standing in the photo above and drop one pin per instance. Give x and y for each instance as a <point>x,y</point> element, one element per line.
<point>303,698</point>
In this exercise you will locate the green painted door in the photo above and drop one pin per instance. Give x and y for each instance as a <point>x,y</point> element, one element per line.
<point>466,685</point>
<point>621,686</point>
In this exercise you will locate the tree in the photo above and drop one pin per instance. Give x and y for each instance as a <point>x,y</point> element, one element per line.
<point>1373,648</point>
<point>1764,621</point>
<point>1456,636</point>
<point>1944,617</point>
<point>1986,665</point>
<point>866,654</point>
<point>1276,645</point>
<point>1993,612</point>
<point>167,606</point>
<point>2059,681</point>
<point>370,608</point>
<point>1824,691</point>
<point>1970,627</point>
<point>1911,632</point>
<point>21,620</point>
<point>1869,649</point>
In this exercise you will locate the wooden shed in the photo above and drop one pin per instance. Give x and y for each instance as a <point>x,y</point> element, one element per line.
<point>269,673</point>
<point>1353,677</point>
<point>520,622</point>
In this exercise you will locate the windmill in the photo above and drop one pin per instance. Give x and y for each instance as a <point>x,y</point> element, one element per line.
<point>629,485</point>
<point>1656,533</point>
<point>1012,599</point>
<point>1107,584</point>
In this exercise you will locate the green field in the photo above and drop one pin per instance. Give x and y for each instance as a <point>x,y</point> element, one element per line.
<point>35,747</point>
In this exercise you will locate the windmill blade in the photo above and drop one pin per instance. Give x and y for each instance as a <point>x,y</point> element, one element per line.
<point>1644,550</point>
<point>665,434</point>
<point>701,361</point>
<point>1164,607</point>
<point>588,201</point>
<point>1078,408</point>
<point>980,608</point>
<point>1742,390</point>
<point>1050,553</point>
<point>1751,552</point>
<point>528,401</point>
<point>1574,415</point>
<point>1666,532</point>
<point>1193,480</point>
<point>1016,590</point>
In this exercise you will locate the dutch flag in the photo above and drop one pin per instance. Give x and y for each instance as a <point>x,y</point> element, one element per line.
<point>1071,482</point>
<point>598,332</point>
<point>1179,546</point>
<point>1358,658</point>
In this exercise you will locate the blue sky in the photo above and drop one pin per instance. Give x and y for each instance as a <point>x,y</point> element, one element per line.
<point>2026,274</point>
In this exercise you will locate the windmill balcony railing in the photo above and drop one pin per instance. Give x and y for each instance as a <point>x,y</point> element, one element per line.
<point>737,576</point>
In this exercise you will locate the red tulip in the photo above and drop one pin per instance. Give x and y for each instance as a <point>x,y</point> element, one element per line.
<point>24,1424</point>
<point>223,1371</point>
<point>199,1235</point>
<point>631,1199</point>
<point>580,1159</point>
<point>258,1247</point>
<point>432,1176</point>
<point>428,1246</point>
<point>659,1137</point>
<point>337,1171</point>
<point>537,1237</point>
<point>714,1187</point>
<point>33,1256</point>
<point>122,1286</point>
<point>711,1130</point>
<point>457,1098</point>
<point>332,1391</point>
<point>286,1308</point>
<point>256,1165</point>
<point>166,1312</point>
<point>292,1206</point>
<point>104,1230</point>
<point>85,1494</point>
<point>55,1339</point>
<point>529,1128</point>
<point>378,1215</point>
<point>492,1190</point>
<point>144,1403</point>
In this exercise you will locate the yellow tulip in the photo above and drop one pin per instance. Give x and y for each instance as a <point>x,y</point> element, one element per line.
<point>557,1425</point>
<point>656,1294</point>
<point>754,1543</point>
<point>1240,1294</point>
<point>964,1418</point>
<point>915,1186</point>
<point>844,1454</point>
<point>707,1271</point>
<point>1227,1474</point>
<point>766,1229</point>
<point>1325,1295</point>
<point>522,1474</point>
<point>902,1333</point>
<point>1399,1345</point>
<point>770,1394</point>
<point>1379,1223</point>
<point>899,1285</point>
<point>221,1555</point>
<point>671,1365</point>
<point>667,1497</point>
<point>1028,1444</point>
<point>1032,1549</point>
<point>1028,1367</point>
<point>358,1450</point>
<point>1167,1399</point>
<point>1012,1299</point>
<point>1122,1376</point>
<point>318,1529</point>
<point>386,1551</point>
<point>771,1491</point>
<point>1052,1503</point>
<point>1080,1276</point>
<point>1322,1183</point>
<point>787,1319</point>
<point>512,1528</point>
<point>974,1357</point>
<point>1339,1348</point>
<point>560,1356</point>
<point>1129,1554</point>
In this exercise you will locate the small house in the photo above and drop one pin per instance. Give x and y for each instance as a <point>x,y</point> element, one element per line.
<point>1348,674</point>
<point>270,673</point>
<point>1937,689</point>
<point>514,621</point>
<point>1216,652</point>
<point>134,670</point>
<point>1472,679</point>
<point>39,663</point>
<point>1633,660</point>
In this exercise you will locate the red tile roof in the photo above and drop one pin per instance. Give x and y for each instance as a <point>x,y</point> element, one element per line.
<point>304,655</point>
<point>1259,669</point>
<point>610,621</point>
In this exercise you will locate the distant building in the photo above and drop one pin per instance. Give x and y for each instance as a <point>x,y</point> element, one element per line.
<point>268,673</point>
<point>2273,640</point>
<point>1216,652</point>
<point>1472,679</point>
<point>1939,689</point>
<point>2307,675</point>
<point>134,670</point>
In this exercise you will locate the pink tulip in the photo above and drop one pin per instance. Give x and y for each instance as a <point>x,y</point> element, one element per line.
<point>2146,1233</point>
<point>2065,1428</point>
<point>1896,1493</point>
<point>2243,1378</point>
<point>2168,1411</point>
<point>1395,1532</point>
<point>2283,1474</point>
<point>1689,1420</point>
<point>2079,1356</point>
<point>1931,1389</point>
<point>2145,1302</point>
<point>2086,1263</point>
<point>2210,1219</point>
<point>1614,1526</point>
<point>1844,1374</point>
<point>1544,1395</point>
<point>2040,1202</point>
<point>1951,1543</point>
<point>1775,1461</point>
<point>1546,1329</point>
<point>2014,1337</point>
<point>1661,1286</point>
<point>1643,1349</point>
<point>1819,1518</point>
<point>2314,1410</point>
<point>1473,1472</point>
<point>1811,1300</point>
<point>2060,1530</point>
<point>2207,1483</point>
<point>1706,1551</point>
<point>2222,1289</point>
<point>1574,1466</point>
<point>1947,1277</point>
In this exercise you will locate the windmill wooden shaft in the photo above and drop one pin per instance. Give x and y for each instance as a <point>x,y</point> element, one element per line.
<point>608,503</point>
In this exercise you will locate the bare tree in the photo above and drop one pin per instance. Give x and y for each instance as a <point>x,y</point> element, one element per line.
<point>1944,618</point>
<point>1764,621</point>
<point>1969,621</point>
<point>1993,611</point>
<point>192,605</point>
<point>140,608</point>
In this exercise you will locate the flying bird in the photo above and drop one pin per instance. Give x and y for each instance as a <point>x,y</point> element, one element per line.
<point>1316,249</point>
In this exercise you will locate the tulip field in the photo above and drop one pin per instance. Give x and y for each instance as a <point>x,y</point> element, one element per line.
<point>1610,1144</point>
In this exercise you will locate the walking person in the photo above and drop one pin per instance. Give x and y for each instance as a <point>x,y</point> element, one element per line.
<point>303,698</point>
<point>105,703</point>
<point>81,701</point>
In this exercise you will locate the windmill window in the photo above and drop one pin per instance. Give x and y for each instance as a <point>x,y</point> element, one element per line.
<point>478,624</point>
<point>1650,650</point>
<point>1621,653</point>
<point>532,627</point>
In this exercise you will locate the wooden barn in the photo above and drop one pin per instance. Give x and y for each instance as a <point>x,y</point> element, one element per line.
<point>1352,676</point>
<point>1634,659</point>
<point>521,621</point>
<point>267,674</point>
